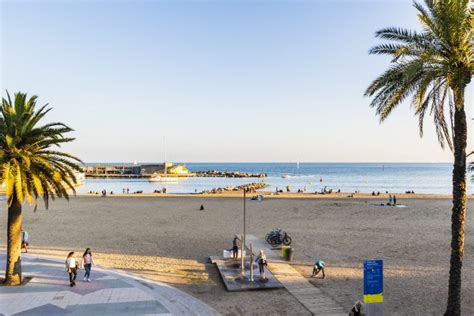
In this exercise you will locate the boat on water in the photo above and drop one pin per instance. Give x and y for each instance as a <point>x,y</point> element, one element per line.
<point>161,178</point>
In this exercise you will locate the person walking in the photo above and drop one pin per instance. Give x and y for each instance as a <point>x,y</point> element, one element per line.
<point>235,248</point>
<point>318,267</point>
<point>262,262</point>
<point>71,268</point>
<point>24,240</point>
<point>356,309</point>
<point>87,262</point>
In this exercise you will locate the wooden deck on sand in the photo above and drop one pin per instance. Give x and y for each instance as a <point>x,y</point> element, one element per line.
<point>307,294</point>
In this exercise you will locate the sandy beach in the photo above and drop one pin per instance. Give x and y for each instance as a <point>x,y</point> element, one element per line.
<point>169,240</point>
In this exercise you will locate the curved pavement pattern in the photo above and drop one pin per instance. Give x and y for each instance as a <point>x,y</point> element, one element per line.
<point>109,293</point>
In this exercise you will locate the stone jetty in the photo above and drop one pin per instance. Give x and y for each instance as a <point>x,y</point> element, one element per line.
<point>249,187</point>
<point>229,174</point>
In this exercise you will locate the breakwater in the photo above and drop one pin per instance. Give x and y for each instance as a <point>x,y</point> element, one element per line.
<point>228,174</point>
<point>249,187</point>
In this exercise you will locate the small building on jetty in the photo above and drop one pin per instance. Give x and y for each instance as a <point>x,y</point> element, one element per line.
<point>134,170</point>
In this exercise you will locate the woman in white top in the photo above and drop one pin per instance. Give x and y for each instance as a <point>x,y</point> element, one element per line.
<point>71,268</point>
<point>87,263</point>
<point>262,262</point>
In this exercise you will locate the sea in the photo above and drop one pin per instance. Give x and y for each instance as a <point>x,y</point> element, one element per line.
<point>432,178</point>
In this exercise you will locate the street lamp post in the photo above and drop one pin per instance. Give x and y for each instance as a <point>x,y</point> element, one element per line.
<point>242,263</point>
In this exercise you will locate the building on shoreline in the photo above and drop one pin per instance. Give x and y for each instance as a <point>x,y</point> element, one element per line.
<point>134,170</point>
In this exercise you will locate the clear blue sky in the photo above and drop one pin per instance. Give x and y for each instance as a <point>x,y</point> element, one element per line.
<point>221,80</point>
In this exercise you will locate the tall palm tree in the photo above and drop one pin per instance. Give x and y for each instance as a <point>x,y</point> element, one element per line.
<point>434,66</point>
<point>30,167</point>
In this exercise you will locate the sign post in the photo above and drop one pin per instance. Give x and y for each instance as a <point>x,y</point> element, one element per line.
<point>373,287</point>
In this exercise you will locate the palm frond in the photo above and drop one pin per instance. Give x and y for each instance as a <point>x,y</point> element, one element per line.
<point>29,167</point>
<point>426,65</point>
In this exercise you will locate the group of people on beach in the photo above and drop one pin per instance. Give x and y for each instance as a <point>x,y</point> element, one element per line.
<point>72,265</point>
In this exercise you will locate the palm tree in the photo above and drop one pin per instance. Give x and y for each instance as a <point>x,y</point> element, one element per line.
<point>30,167</point>
<point>434,66</point>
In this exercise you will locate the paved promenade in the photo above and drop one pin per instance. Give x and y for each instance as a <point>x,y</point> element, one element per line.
<point>109,293</point>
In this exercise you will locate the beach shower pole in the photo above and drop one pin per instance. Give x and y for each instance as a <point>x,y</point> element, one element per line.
<point>251,263</point>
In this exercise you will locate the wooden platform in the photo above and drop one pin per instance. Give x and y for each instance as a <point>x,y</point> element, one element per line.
<point>307,294</point>
<point>235,282</point>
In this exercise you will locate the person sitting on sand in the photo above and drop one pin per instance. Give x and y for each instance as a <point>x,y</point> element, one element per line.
<point>318,267</point>
<point>262,262</point>
<point>71,268</point>
<point>24,240</point>
<point>357,309</point>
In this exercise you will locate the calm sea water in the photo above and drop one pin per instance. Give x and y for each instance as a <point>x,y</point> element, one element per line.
<point>348,177</point>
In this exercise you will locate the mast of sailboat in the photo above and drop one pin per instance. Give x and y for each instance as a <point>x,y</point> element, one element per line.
<point>164,162</point>
<point>164,155</point>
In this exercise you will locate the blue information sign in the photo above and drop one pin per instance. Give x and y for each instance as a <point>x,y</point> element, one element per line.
<point>373,281</point>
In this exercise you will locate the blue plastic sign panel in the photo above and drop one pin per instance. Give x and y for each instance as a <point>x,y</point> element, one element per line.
<point>373,281</point>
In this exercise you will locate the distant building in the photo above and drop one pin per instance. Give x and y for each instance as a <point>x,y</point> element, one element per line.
<point>104,170</point>
<point>155,168</point>
<point>179,169</point>
<point>133,170</point>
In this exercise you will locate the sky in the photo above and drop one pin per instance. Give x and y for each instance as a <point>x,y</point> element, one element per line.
<point>213,81</point>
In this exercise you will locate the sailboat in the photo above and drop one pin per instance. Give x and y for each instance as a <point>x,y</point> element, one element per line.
<point>157,177</point>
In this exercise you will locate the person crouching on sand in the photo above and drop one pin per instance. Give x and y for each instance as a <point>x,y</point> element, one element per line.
<point>71,268</point>
<point>318,267</point>
<point>87,262</point>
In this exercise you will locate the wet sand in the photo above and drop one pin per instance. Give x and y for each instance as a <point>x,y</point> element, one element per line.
<point>169,239</point>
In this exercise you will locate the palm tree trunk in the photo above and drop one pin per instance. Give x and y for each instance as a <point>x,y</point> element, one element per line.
<point>13,270</point>
<point>458,215</point>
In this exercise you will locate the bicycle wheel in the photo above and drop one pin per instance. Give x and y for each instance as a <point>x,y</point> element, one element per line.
<point>268,237</point>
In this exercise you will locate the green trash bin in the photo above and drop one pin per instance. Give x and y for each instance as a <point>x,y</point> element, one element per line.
<point>289,254</point>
